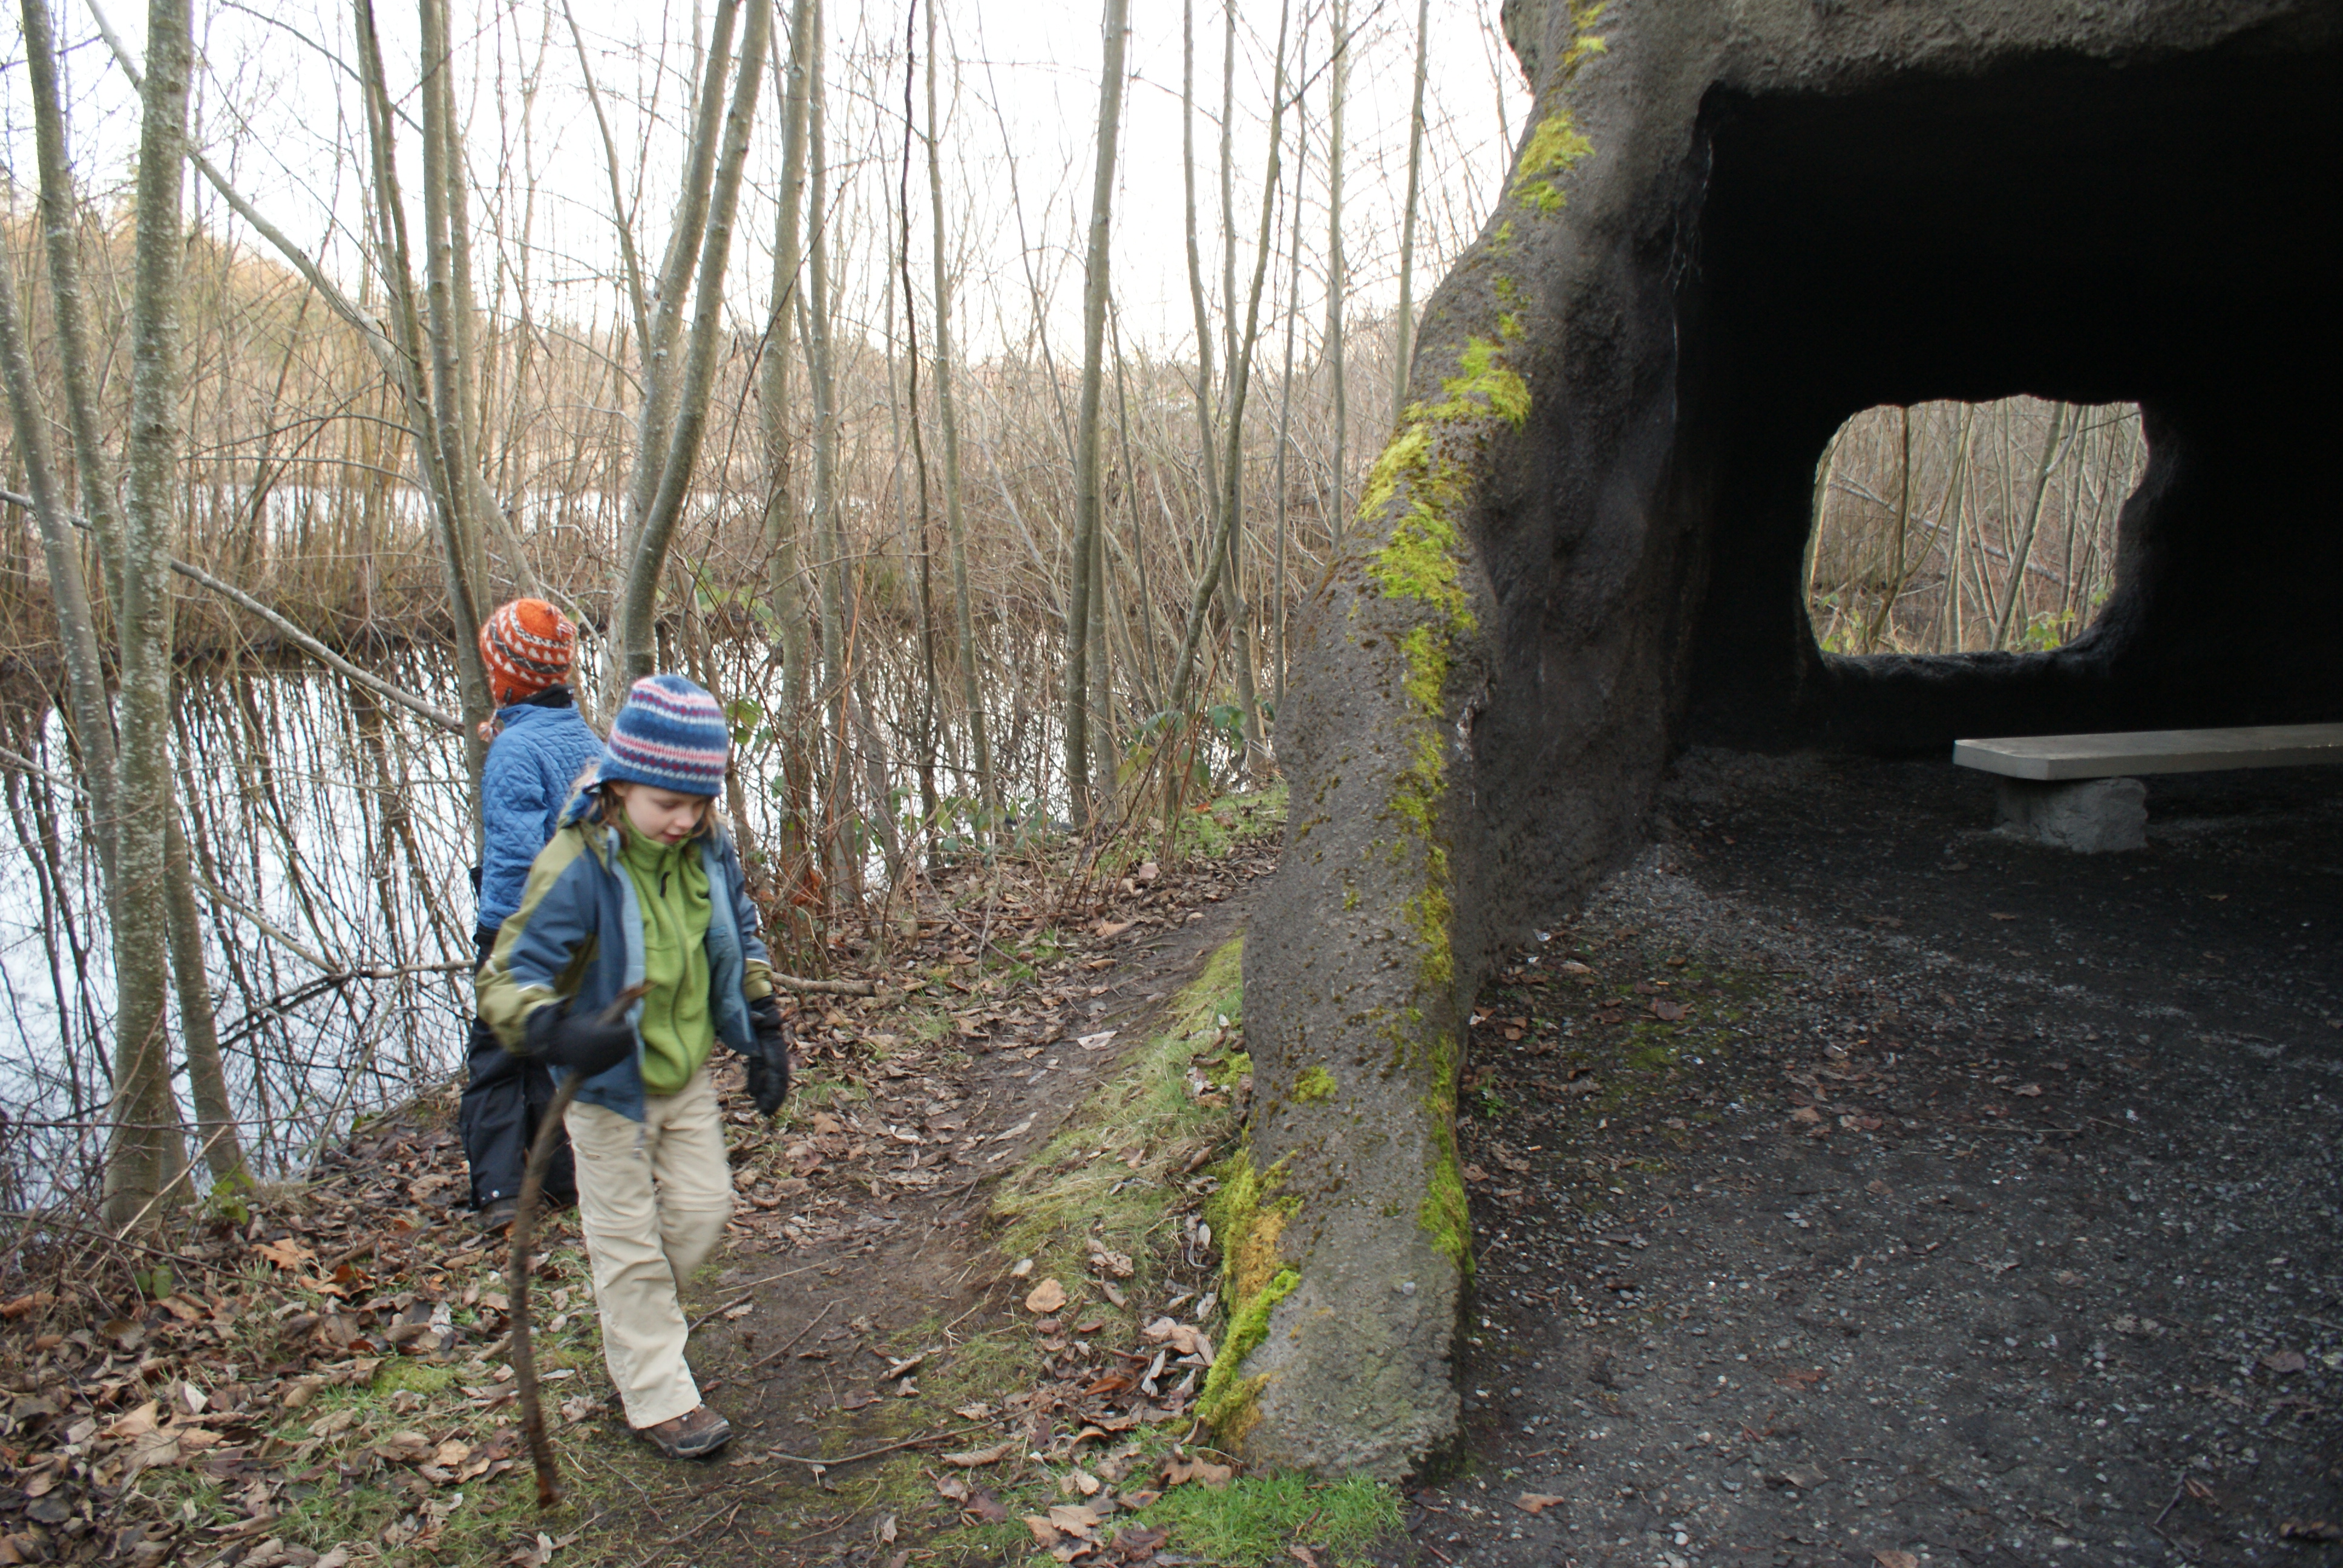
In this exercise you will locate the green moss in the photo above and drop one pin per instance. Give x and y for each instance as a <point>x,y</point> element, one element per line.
<point>1249,1215</point>
<point>1315,1084</point>
<point>1486,385</point>
<point>1554,148</point>
<point>420,1377</point>
<point>1227,1404</point>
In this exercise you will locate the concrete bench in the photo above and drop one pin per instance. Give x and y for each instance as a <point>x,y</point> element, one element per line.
<point>2081,792</point>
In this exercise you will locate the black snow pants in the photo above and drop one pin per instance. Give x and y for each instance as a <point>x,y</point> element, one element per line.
<point>505,1099</point>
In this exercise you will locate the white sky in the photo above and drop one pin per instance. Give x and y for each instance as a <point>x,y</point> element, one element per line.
<point>276,106</point>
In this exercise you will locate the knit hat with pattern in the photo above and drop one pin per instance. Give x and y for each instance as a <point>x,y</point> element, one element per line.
<point>671,735</point>
<point>527,646</point>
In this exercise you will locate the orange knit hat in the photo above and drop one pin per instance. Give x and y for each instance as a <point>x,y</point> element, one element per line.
<point>527,646</point>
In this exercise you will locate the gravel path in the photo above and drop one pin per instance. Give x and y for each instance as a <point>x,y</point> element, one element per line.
<point>1857,1186</point>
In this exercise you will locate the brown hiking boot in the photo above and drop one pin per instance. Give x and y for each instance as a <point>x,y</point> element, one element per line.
<point>695,1434</point>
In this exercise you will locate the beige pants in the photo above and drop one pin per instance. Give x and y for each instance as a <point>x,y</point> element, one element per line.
<point>653,1196</point>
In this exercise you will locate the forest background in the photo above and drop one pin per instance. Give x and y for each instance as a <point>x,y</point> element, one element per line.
<point>970,396</point>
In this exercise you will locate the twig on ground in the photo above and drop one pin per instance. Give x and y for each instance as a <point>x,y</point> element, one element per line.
<point>775,1355</point>
<point>874,1453</point>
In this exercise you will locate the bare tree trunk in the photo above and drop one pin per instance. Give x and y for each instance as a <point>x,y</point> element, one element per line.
<point>657,417</point>
<point>1086,431</point>
<point>955,521</point>
<point>1232,600</point>
<point>815,323</point>
<point>145,1149</point>
<point>1285,391</point>
<point>448,369</point>
<point>1240,375</point>
<point>2024,551</point>
<point>485,517</point>
<point>93,717</point>
<point>674,453</point>
<point>785,582</point>
<point>1404,349</point>
<point>1338,515</point>
<point>408,374</point>
<point>223,1149</point>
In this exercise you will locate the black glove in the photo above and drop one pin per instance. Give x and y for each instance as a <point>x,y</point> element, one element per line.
<point>585,1045</point>
<point>768,1060</point>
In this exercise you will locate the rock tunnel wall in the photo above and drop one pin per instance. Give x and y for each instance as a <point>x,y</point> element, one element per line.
<point>1726,230</point>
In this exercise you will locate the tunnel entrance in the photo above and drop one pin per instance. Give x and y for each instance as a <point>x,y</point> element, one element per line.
<point>1962,527</point>
<point>2089,232</point>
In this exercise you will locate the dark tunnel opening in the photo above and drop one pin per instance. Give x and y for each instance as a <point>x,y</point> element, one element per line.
<point>2072,230</point>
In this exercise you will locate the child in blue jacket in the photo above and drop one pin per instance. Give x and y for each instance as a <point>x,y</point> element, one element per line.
<point>540,750</point>
<point>639,886</point>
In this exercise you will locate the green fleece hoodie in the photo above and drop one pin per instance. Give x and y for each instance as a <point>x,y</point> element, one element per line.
<point>678,1028</point>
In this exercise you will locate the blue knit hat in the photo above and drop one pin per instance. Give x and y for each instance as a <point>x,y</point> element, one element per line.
<point>671,735</point>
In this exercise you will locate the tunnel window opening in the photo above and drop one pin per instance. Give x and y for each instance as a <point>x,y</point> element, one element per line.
<point>1950,527</point>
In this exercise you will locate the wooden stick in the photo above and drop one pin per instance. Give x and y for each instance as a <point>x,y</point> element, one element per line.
<point>826,987</point>
<point>521,1352</point>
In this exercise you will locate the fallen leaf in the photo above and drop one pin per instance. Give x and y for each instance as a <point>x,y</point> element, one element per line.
<point>1044,1533</point>
<point>976,1456</point>
<point>1806,1113</point>
<point>404,1447</point>
<point>1180,1472</point>
<point>951,1487</point>
<point>2286,1362</point>
<point>985,1506</point>
<point>341,1421</point>
<point>2310,1530</point>
<point>1538,1502</point>
<point>138,1423</point>
<point>287,1254</point>
<point>1894,1559</point>
<point>23,1305</point>
<point>1046,1297</point>
<point>1303,1555</point>
<point>1072,1520</point>
<point>1475,1173</point>
<point>2005,917</point>
<point>1137,1546</point>
<point>2026,1091</point>
<point>1668,1012</point>
<point>1804,1477</point>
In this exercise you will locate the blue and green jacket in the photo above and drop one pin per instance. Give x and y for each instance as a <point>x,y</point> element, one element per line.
<point>576,941</point>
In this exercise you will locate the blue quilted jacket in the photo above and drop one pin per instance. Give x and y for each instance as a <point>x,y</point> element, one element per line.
<point>539,751</point>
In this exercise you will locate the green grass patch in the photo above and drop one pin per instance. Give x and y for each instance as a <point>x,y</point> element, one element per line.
<point>1251,1521</point>
<point>1110,1177</point>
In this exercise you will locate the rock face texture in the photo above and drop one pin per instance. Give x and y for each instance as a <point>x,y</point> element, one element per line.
<point>1728,227</point>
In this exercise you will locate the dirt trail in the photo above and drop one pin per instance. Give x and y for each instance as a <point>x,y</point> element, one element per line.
<point>1978,1204</point>
<point>864,1242</point>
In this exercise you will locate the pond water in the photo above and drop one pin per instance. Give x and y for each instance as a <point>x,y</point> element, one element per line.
<point>332,835</point>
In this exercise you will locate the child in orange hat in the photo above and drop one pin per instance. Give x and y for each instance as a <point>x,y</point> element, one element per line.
<point>539,746</point>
